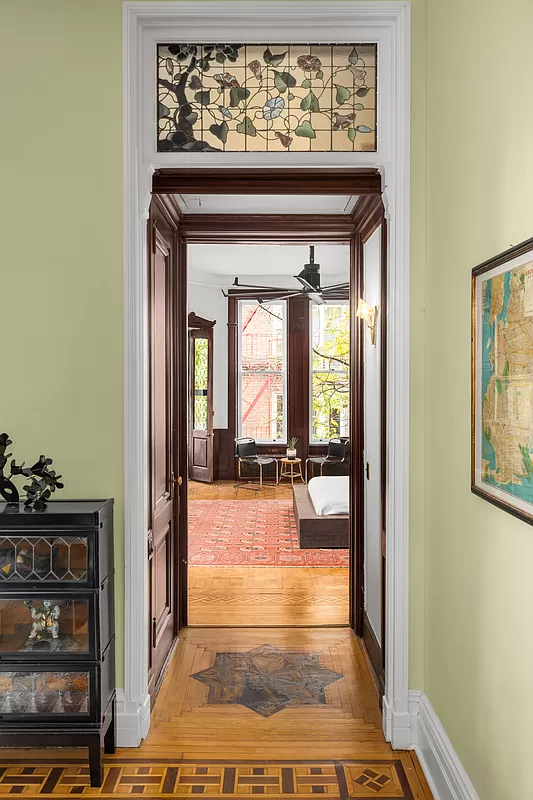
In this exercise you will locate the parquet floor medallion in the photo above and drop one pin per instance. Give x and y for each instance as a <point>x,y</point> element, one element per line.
<point>340,780</point>
<point>334,748</point>
<point>267,679</point>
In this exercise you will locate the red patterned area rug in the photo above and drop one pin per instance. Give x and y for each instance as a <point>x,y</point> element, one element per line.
<point>252,533</point>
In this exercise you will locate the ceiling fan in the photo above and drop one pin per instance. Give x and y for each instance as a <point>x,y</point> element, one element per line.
<point>310,287</point>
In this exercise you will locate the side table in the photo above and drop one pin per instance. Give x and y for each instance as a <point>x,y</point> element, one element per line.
<point>291,473</point>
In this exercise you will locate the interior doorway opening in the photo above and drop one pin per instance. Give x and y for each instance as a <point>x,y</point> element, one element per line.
<point>290,229</point>
<point>272,395</point>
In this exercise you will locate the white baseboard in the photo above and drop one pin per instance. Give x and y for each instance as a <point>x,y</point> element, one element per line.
<point>397,726</point>
<point>443,770</point>
<point>132,720</point>
<point>419,729</point>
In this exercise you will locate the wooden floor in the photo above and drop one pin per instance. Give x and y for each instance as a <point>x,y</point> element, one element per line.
<point>226,490</point>
<point>286,712</point>
<point>264,596</point>
<point>347,724</point>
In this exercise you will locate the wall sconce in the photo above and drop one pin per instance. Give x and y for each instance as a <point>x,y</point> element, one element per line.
<point>368,313</point>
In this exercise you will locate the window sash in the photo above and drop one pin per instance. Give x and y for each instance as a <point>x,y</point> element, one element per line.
<point>339,374</point>
<point>245,372</point>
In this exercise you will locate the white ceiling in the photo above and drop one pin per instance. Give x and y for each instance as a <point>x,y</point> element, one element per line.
<point>266,260</point>
<point>265,204</point>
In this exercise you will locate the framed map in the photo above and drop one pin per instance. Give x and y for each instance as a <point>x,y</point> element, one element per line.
<point>502,380</point>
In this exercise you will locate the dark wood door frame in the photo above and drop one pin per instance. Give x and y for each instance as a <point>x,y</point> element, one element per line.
<point>169,211</point>
<point>194,321</point>
<point>368,217</point>
<point>235,229</point>
<point>261,180</point>
<point>163,237</point>
<point>268,228</point>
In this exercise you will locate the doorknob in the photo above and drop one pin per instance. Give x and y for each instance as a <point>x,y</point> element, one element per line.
<point>174,482</point>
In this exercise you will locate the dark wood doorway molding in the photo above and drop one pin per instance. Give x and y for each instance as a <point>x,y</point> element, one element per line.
<point>270,228</point>
<point>267,181</point>
<point>196,322</point>
<point>368,216</point>
<point>234,229</point>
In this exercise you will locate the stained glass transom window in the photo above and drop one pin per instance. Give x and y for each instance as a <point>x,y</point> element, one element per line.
<point>238,98</point>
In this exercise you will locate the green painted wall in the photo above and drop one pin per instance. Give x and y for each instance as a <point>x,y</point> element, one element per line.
<point>62,256</point>
<point>61,268</point>
<point>479,593</point>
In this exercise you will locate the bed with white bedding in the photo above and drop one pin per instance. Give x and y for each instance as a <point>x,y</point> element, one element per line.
<point>322,510</point>
<point>330,494</point>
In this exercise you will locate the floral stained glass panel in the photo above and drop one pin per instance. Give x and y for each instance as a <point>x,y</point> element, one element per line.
<point>256,97</point>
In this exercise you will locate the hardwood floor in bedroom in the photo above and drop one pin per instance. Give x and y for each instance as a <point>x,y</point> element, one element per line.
<point>264,596</point>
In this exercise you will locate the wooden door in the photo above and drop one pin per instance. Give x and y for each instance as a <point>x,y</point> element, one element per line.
<point>163,545</point>
<point>201,405</point>
<point>370,259</point>
<point>373,512</point>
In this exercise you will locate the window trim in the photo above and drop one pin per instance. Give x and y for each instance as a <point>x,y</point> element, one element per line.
<point>284,372</point>
<point>312,441</point>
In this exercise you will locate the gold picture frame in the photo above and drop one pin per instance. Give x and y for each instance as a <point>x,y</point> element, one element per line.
<point>502,381</point>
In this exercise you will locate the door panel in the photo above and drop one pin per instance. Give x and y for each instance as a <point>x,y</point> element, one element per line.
<point>372,438</point>
<point>370,260</point>
<point>201,405</point>
<point>162,594</point>
<point>160,397</point>
<point>164,441</point>
<point>200,453</point>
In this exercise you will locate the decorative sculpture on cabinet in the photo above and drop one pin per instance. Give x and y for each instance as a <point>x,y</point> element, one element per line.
<point>43,481</point>
<point>45,621</point>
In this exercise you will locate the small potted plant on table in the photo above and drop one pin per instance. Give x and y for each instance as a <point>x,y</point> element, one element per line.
<point>291,447</point>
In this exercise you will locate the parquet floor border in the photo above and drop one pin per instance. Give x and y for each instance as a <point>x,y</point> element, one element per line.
<point>385,777</point>
<point>195,747</point>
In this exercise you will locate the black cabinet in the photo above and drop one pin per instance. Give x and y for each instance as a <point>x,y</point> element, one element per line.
<point>57,637</point>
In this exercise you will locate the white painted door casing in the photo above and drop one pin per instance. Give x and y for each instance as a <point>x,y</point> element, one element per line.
<point>144,24</point>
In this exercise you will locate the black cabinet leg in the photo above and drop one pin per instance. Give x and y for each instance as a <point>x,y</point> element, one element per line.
<point>109,738</point>
<point>96,760</point>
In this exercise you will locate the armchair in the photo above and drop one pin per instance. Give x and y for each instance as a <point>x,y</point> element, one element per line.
<point>337,453</point>
<point>246,451</point>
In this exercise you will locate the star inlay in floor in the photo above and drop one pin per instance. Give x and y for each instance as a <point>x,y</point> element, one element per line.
<point>267,679</point>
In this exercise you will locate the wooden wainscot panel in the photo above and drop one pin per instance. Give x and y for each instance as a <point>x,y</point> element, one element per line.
<point>224,458</point>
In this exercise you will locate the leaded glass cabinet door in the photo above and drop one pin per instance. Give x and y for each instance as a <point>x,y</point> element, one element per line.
<point>50,627</point>
<point>201,405</point>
